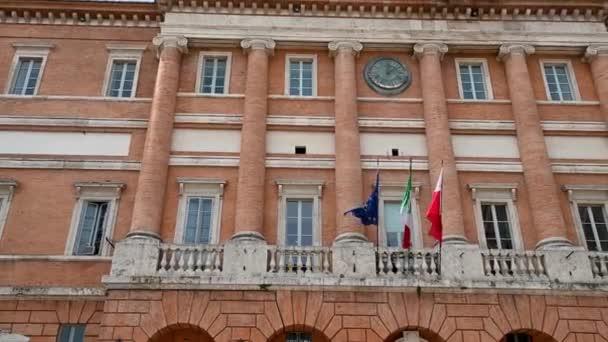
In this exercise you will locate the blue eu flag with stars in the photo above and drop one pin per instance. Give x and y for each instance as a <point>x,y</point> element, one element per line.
<point>368,213</point>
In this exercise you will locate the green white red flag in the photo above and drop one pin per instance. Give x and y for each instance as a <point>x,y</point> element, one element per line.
<point>406,213</point>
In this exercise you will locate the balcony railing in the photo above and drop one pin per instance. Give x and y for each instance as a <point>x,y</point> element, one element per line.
<point>509,264</point>
<point>190,260</point>
<point>396,262</point>
<point>599,265</point>
<point>299,260</point>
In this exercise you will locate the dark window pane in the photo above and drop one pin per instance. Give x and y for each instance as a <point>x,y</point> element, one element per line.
<point>486,212</point>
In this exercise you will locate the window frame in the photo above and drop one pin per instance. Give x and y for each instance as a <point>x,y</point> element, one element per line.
<point>200,73</point>
<point>28,50</point>
<point>199,187</point>
<point>487,78</point>
<point>585,194</point>
<point>95,192</point>
<point>497,193</point>
<point>571,76</point>
<point>71,326</point>
<point>287,80</point>
<point>299,189</point>
<point>7,189</point>
<point>394,192</point>
<point>122,52</point>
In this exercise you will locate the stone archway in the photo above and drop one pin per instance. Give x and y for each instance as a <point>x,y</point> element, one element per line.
<point>181,333</point>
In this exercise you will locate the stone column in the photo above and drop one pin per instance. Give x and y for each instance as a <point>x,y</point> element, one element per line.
<point>438,140</point>
<point>252,168</point>
<point>150,195</point>
<point>348,156</point>
<point>541,187</point>
<point>597,57</point>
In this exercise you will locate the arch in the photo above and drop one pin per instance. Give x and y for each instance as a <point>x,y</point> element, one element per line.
<point>181,332</point>
<point>280,335</point>
<point>424,335</point>
<point>537,336</point>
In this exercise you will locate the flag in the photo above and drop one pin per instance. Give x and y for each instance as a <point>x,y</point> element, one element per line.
<point>368,213</point>
<point>433,214</point>
<point>406,205</point>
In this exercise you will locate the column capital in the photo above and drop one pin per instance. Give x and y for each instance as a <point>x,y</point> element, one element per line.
<point>352,46</point>
<point>505,51</point>
<point>594,51</point>
<point>265,44</point>
<point>178,42</point>
<point>422,49</point>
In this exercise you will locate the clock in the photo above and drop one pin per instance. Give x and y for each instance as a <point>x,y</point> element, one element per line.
<point>387,76</point>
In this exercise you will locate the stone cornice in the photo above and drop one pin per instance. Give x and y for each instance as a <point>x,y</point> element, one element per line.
<point>507,50</point>
<point>351,46</point>
<point>595,51</point>
<point>265,44</point>
<point>439,49</point>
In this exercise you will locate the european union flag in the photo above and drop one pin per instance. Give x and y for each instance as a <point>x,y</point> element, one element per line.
<point>368,213</point>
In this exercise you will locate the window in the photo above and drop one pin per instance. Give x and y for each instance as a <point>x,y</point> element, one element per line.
<point>298,337</point>
<point>198,220</point>
<point>593,221</point>
<point>391,223</point>
<point>122,71</point>
<point>496,215</point>
<point>299,217</point>
<point>214,74</point>
<point>91,227</point>
<point>473,79</point>
<point>559,82</point>
<point>589,204</point>
<point>7,187</point>
<point>300,150</point>
<point>122,78</point>
<point>199,210</point>
<point>518,337</point>
<point>71,333</point>
<point>93,218</point>
<point>300,76</point>
<point>26,70</point>
<point>496,226</point>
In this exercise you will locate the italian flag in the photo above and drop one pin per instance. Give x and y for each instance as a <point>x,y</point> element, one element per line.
<point>406,213</point>
<point>433,214</point>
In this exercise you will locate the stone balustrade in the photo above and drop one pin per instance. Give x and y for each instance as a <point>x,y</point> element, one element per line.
<point>151,264</point>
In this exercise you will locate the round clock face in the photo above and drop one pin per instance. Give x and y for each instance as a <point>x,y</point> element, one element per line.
<point>387,76</point>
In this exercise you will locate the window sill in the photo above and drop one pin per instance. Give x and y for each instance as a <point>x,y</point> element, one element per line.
<point>76,98</point>
<point>239,96</point>
<point>568,103</point>
<point>489,101</point>
<point>301,98</point>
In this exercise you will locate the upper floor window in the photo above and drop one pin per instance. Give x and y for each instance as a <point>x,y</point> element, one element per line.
<point>199,210</point>
<point>28,65</point>
<point>71,333</point>
<point>473,79</point>
<point>559,81</point>
<point>496,215</point>
<point>93,218</point>
<point>300,75</point>
<point>7,187</point>
<point>392,221</point>
<point>298,337</point>
<point>299,212</point>
<point>589,205</point>
<point>214,73</point>
<point>122,71</point>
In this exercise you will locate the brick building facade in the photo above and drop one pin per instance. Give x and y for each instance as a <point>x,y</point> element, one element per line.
<point>179,170</point>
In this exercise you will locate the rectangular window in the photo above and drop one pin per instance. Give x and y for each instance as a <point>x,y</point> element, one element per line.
<point>299,229</point>
<point>198,220</point>
<point>301,73</point>
<point>558,82</point>
<point>496,226</point>
<point>593,219</point>
<point>473,81</point>
<point>71,333</point>
<point>26,75</point>
<point>214,75</point>
<point>393,225</point>
<point>298,337</point>
<point>122,78</point>
<point>91,228</point>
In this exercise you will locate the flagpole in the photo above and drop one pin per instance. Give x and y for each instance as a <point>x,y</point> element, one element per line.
<point>410,204</point>
<point>441,213</point>
<point>378,223</point>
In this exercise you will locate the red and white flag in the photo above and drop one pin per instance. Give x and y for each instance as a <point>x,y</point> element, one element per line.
<point>433,214</point>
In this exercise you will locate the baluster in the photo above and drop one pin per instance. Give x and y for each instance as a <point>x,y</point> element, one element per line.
<point>197,267</point>
<point>603,260</point>
<point>495,263</point>
<point>486,264</point>
<point>281,255</point>
<point>406,262</point>
<point>520,264</point>
<point>163,261</point>
<point>416,264</point>
<point>389,262</point>
<point>512,257</point>
<point>541,265</point>
<point>208,256</point>
<point>300,260</point>
<point>532,271</point>
<point>433,264</point>
<point>218,253</point>
<point>172,260</point>
<point>325,255</point>
<point>272,264</point>
<point>189,264</point>
<point>398,264</point>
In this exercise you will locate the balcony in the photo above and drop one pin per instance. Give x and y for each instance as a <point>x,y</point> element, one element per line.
<point>142,263</point>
